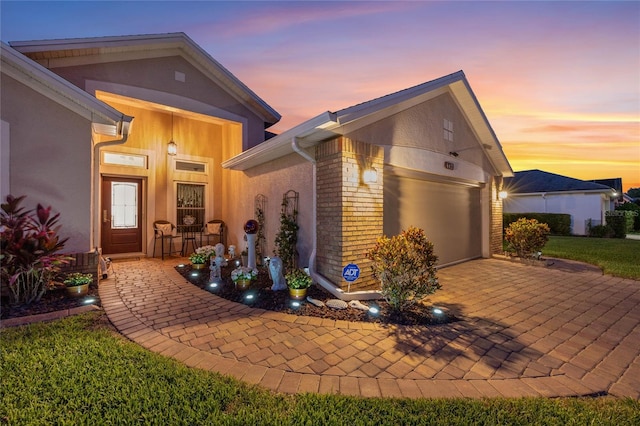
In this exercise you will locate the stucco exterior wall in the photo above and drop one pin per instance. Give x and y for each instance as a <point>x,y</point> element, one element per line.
<point>422,127</point>
<point>580,206</point>
<point>272,180</point>
<point>159,74</point>
<point>50,159</point>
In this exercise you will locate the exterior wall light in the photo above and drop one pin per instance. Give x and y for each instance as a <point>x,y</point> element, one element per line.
<point>502,195</point>
<point>370,175</point>
<point>172,148</point>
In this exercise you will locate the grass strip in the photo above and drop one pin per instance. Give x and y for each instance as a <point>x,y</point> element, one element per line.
<point>78,371</point>
<point>619,257</point>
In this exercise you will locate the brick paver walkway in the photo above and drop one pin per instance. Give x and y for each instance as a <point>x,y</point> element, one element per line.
<point>525,331</point>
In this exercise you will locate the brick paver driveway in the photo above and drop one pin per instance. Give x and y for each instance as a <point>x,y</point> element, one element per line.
<point>525,331</point>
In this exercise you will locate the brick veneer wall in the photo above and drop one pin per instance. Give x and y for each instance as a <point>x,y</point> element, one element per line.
<point>87,263</point>
<point>496,216</point>
<point>349,211</point>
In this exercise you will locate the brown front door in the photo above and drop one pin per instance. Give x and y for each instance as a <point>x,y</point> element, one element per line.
<point>121,215</point>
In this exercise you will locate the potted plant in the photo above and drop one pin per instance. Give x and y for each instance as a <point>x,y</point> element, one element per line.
<point>198,260</point>
<point>298,282</point>
<point>77,283</point>
<point>243,275</point>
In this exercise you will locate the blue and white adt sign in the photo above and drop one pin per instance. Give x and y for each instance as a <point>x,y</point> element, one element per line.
<point>351,272</point>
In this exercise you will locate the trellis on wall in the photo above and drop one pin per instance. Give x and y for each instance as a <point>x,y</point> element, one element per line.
<point>287,236</point>
<point>260,207</point>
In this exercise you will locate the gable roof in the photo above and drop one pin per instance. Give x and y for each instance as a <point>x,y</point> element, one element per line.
<point>104,118</point>
<point>332,124</point>
<point>78,51</point>
<point>538,181</point>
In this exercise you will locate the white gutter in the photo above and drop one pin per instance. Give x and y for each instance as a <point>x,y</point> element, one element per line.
<point>320,279</point>
<point>124,129</point>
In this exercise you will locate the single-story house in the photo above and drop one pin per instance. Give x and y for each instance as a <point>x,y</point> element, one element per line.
<point>87,120</point>
<point>536,191</point>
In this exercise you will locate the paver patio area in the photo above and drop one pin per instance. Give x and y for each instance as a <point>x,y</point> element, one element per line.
<point>525,331</point>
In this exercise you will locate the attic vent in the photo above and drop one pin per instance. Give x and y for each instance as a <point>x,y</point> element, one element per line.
<point>180,76</point>
<point>448,130</point>
<point>186,166</point>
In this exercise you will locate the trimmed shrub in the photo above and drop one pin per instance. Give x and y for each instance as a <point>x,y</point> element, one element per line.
<point>618,223</point>
<point>526,236</point>
<point>559,223</point>
<point>601,231</point>
<point>406,267</point>
<point>632,212</point>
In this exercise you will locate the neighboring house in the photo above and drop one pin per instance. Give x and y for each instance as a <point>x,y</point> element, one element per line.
<point>536,191</point>
<point>430,155</point>
<point>615,183</point>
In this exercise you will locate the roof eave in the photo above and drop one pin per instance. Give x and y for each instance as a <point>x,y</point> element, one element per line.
<point>570,191</point>
<point>179,42</point>
<point>308,133</point>
<point>105,119</point>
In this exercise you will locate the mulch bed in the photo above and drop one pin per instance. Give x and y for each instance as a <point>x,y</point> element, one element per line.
<point>53,300</point>
<point>265,298</point>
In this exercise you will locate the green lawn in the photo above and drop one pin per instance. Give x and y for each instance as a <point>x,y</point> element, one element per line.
<point>77,371</point>
<point>615,256</point>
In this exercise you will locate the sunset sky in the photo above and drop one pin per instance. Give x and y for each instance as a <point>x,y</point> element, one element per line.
<point>558,81</point>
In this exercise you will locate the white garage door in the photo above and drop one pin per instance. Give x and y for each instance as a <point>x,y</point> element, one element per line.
<point>450,214</point>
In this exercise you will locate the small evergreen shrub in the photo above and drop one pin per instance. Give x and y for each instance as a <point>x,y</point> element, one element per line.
<point>406,267</point>
<point>600,231</point>
<point>632,213</point>
<point>526,237</point>
<point>617,222</point>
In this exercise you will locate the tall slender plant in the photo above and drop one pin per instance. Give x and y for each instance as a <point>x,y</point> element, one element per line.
<point>29,246</point>
<point>287,237</point>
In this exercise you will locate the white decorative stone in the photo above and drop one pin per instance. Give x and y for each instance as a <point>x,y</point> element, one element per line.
<point>336,304</point>
<point>356,304</point>
<point>318,303</point>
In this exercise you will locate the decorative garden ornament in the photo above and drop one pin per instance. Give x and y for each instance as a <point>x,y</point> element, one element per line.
<point>215,276</point>
<point>251,229</point>
<point>275,270</point>
<point>219,259</point>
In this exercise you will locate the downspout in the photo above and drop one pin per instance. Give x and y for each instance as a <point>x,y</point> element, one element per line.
<point>125,127</point>
<point>321,280</point>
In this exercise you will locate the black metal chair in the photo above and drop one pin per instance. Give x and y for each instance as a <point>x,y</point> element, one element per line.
<point>213,228</point>
<point>164,230</point>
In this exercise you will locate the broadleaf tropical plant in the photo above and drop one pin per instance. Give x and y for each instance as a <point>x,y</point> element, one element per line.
<point>406,267</point>
<point>29,249</point>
